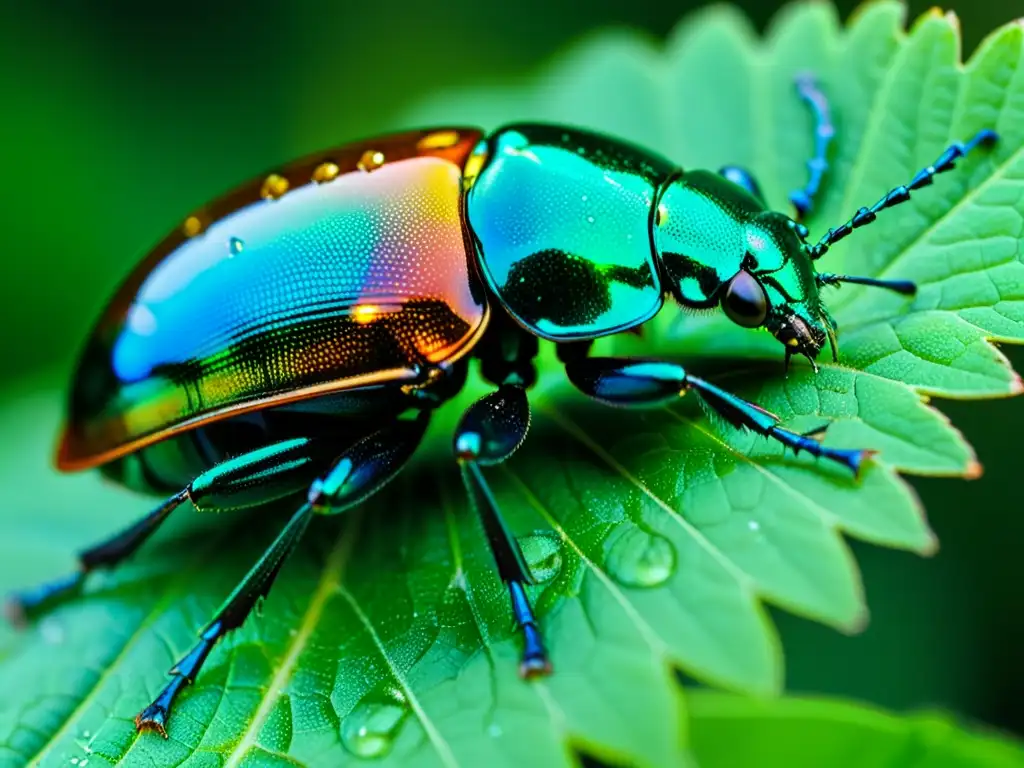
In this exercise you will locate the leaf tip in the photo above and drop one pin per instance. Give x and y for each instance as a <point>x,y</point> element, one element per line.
<point>931,547</point>
<point>858,623</point>
<point>973,470</point>
<point>1016,385</point>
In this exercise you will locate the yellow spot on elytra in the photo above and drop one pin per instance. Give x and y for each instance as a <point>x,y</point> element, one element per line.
<point>365,313</point>
<point>438,140</point>
<point>325,172</point>
<point>193,226</point>
<point>371,160</point>
<point>793,343</point>
<point>273,187</point>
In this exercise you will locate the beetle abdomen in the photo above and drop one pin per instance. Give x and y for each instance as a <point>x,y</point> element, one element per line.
<point>562,224</point>
<point>359,280</point>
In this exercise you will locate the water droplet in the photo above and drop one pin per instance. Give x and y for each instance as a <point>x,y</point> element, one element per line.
<point>583,198</point>
<point>193,226</point>
<point>543,554</point>
<point>235,246</point>
<point>325,172</point>
<point>754,525</point>
<point>371,160</point>
<point>637,558</point>
<point>590,219</point>
<point>438,140</point>
<point>273,187</point>
<point>74,761</point>
<point>494,730</point>
<point>52,631</point>
<point>370,729</point>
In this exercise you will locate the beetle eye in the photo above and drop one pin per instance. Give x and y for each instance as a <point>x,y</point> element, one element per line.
<point>744,301</point>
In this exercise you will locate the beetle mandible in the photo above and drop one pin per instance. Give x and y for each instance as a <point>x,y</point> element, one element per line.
<point>293,337</point>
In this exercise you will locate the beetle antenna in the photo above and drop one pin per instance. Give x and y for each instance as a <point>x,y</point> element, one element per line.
<point>924,177</point>
<point>904,287</point>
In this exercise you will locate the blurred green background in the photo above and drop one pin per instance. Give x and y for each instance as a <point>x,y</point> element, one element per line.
<point>121,116</point>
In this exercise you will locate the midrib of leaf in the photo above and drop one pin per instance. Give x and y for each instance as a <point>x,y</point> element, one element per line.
<point>443,749</point>
<point>333,573</point>
<point>744,580</point>
<point>170,596</point>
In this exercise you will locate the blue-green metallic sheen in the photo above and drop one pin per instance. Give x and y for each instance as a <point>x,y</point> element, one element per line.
<point>562,224</point>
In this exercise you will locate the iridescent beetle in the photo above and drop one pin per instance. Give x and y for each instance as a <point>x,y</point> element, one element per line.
<point>293,337</point>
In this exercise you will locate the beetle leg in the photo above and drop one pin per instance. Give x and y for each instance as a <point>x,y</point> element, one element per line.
<point>263,475</point>
<point>358,473</point>
<point>490,431</point>
<point>803,199</point>
<point>741,177</point>
<point>29,603</point>
<point>623,381</point>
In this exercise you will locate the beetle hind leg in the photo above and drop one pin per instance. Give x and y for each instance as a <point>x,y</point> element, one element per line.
<point>490,431</point>
<point>28,604</point>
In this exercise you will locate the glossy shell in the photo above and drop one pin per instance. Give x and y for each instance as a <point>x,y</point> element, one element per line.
<point>562,223</point>
<point>284,290</point>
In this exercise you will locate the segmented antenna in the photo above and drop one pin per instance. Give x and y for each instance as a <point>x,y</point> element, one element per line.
<point>900,195</point>
<point>905,287</point>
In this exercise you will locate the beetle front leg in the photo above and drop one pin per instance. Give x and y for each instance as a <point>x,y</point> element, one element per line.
<point>358,473</point>
<point>622,381</point>
<point>490,431</point>
<point>803,199</point>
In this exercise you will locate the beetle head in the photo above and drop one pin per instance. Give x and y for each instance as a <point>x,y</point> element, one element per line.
<point>719,246</point>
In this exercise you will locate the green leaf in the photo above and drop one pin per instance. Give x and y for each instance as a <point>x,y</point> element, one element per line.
<point>729,730</point>
<point>658,537</point>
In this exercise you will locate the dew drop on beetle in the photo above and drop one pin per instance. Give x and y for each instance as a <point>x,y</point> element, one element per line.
<point>325,172</point>
<point>193,226</point>
<point>371,160</point>
<point>438,140</point>
<point>274,186</point>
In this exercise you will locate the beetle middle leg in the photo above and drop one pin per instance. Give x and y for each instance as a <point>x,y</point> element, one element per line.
<point>490,431</point>
<point>624,381</point>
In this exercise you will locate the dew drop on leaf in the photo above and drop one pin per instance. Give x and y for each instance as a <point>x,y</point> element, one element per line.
<point>235,245</point>
<point>543,554</point>
<point>638,558</point>
<point>371,727</point>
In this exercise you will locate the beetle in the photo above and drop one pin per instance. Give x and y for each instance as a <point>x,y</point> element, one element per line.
<point>292,338</point>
